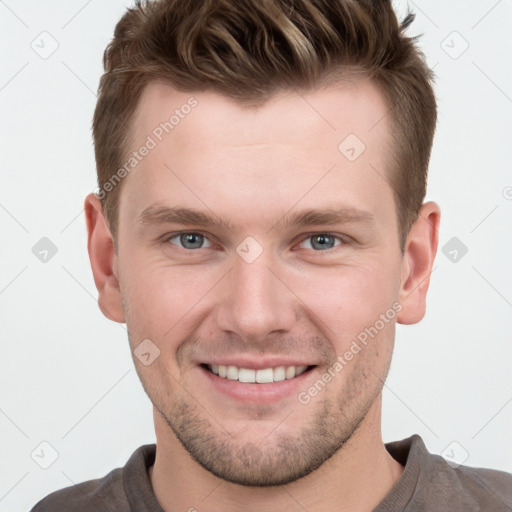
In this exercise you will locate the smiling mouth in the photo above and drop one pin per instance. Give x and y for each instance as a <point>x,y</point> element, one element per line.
<point>262,376</point>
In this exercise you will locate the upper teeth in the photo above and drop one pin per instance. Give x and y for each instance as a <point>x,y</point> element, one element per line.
<point>262,376</point>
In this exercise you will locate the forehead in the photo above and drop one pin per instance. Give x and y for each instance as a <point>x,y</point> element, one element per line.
<point>298,146</point>
<point>355,106</point>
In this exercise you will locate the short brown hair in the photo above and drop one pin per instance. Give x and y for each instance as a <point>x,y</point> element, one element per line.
<point>249,49</point>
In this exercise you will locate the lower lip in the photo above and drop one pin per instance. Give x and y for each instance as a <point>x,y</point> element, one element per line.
<point>258,393</point>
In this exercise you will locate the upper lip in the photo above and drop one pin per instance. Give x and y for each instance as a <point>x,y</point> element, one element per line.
<point>257,364</point>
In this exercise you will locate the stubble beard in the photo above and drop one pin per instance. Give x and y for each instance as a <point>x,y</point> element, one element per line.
<point>281,457</point>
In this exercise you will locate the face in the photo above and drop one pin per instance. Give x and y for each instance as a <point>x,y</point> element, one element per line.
<point>256,293</point>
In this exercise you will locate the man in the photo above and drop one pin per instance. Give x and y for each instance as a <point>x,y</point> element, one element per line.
<point>260,228</point>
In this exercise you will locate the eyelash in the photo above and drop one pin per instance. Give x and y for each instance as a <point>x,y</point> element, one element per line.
<point>167,238</point>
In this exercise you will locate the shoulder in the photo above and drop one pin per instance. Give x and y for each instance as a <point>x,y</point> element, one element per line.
<point>486,486</point>
<point>449,486</point>
<point>99,494</point>
<point>467,489</point>
<point>108,493</point>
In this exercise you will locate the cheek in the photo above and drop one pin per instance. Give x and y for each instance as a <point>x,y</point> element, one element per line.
<point>348,300</point>
<point>163,299</point>
<point>168,303</point>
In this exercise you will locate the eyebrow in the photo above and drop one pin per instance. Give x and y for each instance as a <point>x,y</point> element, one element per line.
<point>157,214</point>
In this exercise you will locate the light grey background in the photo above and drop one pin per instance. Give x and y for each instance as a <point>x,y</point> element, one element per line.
<point>66,373</point>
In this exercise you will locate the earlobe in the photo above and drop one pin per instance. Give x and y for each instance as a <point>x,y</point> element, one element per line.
<point>418,260</point>
<point>103,260</point>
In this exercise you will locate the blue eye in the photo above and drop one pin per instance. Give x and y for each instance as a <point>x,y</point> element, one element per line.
<point>324,241</point>
<point>190,240</point>
<point>194,239</point>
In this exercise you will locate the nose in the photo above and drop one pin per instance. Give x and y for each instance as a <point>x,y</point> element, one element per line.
<point>256,301</point>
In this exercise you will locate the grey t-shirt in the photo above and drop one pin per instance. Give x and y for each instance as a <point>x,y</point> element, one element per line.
<point>428,483</point>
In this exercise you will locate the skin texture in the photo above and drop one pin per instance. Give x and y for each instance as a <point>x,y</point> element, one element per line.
<point>296,300</point>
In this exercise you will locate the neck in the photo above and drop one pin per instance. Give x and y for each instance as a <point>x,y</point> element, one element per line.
<point>356,478</point>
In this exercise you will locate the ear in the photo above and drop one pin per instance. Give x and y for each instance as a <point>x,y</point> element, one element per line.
<point>419,254</point>
<point>103,260</point>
